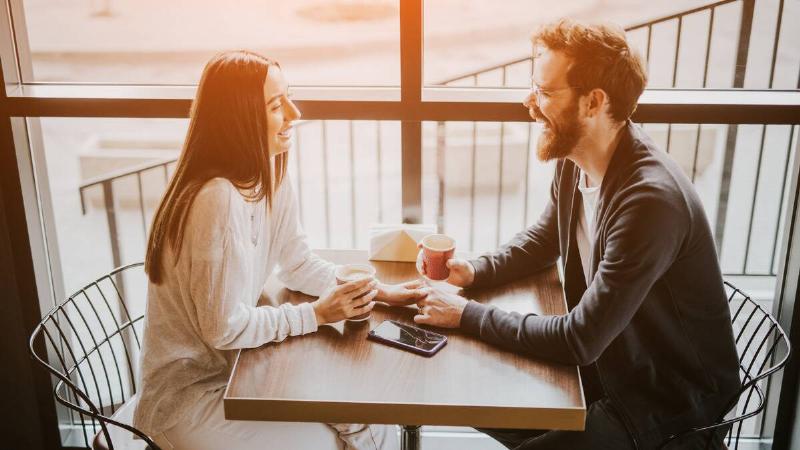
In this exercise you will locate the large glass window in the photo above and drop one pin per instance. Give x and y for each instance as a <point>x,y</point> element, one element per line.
<point>482,183</point>
<point>100,179</point>
<point>688,43</point>
<point>319,42</point>
<point>106,178</point>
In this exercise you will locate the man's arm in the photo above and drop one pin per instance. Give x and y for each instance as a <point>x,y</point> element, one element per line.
<point>529,251</point>
<point>641,244</point>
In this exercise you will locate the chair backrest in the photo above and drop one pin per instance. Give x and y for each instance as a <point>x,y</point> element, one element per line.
<point>763,349</point>
<point>90,343</point>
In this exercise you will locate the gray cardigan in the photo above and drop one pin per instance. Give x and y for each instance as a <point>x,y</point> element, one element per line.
<point>652,331</point>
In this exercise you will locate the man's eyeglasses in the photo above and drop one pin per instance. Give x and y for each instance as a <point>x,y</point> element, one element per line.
<point>541,93</point>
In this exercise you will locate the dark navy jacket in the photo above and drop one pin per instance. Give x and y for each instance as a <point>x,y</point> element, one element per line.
<point>652,331</point>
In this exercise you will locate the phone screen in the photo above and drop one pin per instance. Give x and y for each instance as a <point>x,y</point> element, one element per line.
<point>408,335</point>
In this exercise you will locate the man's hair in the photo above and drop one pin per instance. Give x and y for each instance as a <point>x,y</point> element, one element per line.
<point>601,59</point>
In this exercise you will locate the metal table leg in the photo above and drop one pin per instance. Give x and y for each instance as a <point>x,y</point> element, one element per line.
<point>410,438</point>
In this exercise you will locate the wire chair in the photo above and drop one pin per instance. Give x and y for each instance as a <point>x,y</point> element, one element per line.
<point>94,339</point>
<point>758,338</point>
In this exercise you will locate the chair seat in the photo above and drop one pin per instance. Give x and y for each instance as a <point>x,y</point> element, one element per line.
<point>122,439</point>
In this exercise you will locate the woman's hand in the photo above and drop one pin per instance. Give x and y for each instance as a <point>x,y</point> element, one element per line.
<point>340,302</point>
<point>462,274</point>
<point>403,294</point>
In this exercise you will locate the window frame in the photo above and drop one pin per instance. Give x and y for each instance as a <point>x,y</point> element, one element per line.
<point>22,103</point>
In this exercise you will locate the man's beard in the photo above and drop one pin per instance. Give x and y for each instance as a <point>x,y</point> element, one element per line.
<point>559,138</point>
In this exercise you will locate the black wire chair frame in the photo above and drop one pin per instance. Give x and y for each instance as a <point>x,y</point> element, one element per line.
<point>770,339</point>
<point>56,332</point>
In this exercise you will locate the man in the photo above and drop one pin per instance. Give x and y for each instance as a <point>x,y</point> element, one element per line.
<point>648,319</point>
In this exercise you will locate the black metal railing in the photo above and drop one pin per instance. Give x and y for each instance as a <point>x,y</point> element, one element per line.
<point>311,216</point>
<point>108,186</point>
<point>744,15</point>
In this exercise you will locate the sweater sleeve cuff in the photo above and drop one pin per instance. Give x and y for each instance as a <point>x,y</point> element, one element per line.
<point>482,271</point>
<point>472,317</point>
<point>308,318</point>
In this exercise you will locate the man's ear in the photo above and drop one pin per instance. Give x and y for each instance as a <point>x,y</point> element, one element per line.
<point>597,102</point>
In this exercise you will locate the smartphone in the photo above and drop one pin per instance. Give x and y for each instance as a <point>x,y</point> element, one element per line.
<point>408,337</point>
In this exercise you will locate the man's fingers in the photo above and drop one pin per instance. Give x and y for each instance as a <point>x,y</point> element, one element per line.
<point>454,263</point>
<point>421,266</point>
<point>424,319</point>
<point>424,301</point>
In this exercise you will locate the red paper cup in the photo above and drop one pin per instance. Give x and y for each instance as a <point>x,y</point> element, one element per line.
<point>436,250</point>
<point>353,272</point>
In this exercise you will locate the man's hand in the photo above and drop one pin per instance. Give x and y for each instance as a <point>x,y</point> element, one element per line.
<point>462,274</point>
<point>401,294</point>
<point>441,309</point>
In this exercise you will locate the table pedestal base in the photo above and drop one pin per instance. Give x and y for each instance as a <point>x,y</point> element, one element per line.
<point>410,437</point>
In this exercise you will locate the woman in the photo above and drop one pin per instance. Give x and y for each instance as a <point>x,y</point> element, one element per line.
<point>228,217</point>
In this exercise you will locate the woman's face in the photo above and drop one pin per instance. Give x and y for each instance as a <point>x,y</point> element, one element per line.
<point>281,112</point>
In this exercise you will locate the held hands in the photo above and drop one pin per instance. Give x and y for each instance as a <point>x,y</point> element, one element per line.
<point>462,274</point>
<point>340,302</point>
<point>401,294</point>
<point>441,309</point>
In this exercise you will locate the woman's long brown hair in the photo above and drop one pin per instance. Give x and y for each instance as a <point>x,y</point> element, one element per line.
<point>227,138</point>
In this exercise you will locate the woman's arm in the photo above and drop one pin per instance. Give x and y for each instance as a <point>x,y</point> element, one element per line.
<point>299,268</point>
<point>219,275</point>
<point>302,270</point>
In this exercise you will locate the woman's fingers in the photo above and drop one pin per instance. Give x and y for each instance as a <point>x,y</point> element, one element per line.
<point>351,287</point>
<point>361,301</point>
<point>413,284</point>
<point>362,290</point>
<point>367,308</point>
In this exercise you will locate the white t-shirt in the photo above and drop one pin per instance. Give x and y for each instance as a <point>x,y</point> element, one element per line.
<point>584,231</point>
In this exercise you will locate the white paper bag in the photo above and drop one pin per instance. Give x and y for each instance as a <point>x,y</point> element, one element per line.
<point>397,242</point>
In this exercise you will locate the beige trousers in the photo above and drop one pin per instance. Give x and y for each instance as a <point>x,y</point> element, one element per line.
<point>208,429</point>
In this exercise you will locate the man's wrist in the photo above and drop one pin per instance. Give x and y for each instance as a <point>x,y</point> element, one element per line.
<point>478,270</point>
<point>472,316</point>
<point>471,273</point>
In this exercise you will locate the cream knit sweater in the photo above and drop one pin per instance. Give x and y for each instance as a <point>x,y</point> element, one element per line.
<point>205,307</point>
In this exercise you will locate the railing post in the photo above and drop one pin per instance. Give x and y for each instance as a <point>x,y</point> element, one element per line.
<point>441,143</point>
<point>111,217</point>
<point>745,28</point>
<point>113,234</point>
